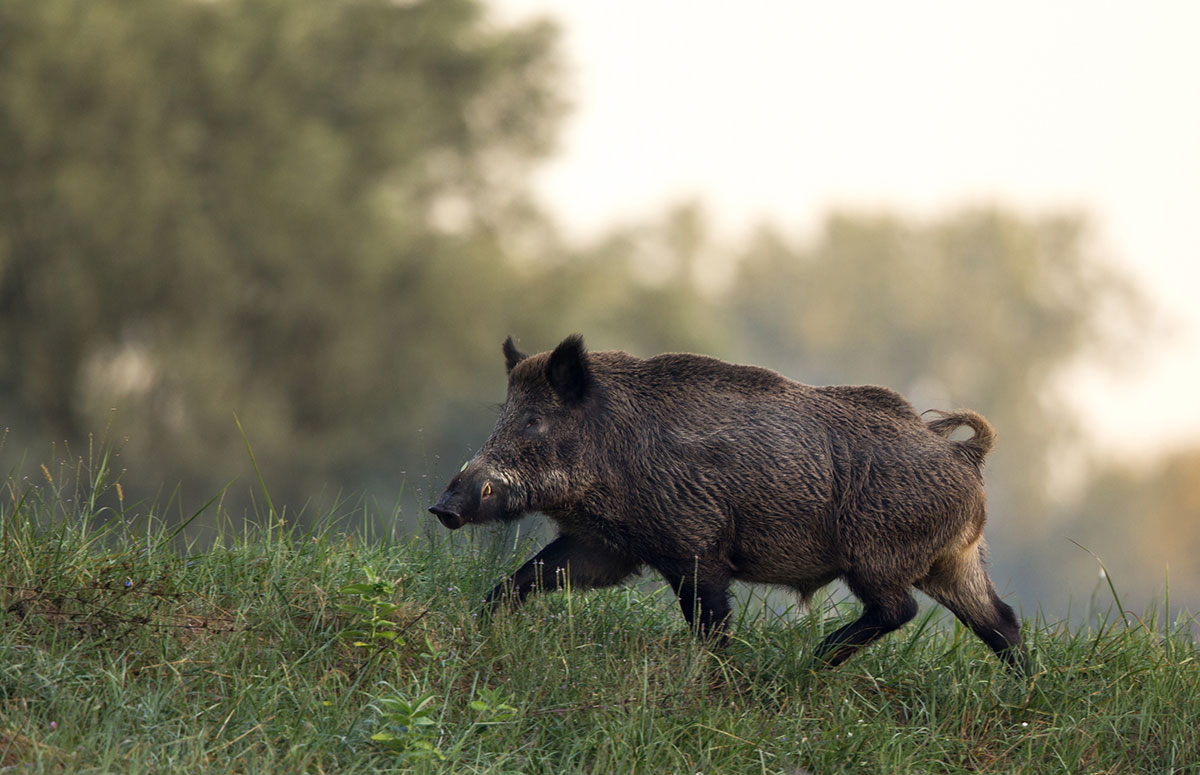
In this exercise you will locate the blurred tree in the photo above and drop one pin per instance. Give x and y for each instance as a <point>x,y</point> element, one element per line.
<point>287,208</point>
<point>1140,522</point>
<point>635,288</point>
<point>313,212</point>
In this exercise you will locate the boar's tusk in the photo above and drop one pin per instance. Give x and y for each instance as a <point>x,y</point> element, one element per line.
<point>486,492</point>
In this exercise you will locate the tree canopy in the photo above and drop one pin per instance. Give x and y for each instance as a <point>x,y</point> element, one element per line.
<point>285,208</point>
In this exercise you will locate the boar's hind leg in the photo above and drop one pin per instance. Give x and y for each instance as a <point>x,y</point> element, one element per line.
<point>883,612</point>
<point>961,584</point>
<point>564,560</point>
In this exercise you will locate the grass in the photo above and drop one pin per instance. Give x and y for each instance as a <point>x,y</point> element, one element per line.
<point>279,649</point>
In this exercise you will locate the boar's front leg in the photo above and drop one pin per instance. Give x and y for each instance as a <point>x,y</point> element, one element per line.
<point>564,560</point>
<point>703,598</point>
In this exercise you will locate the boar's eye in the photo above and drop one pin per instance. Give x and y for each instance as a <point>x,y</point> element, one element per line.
<point>534,425</point>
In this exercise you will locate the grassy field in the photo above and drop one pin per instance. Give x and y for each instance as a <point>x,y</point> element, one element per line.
<point>281,650</point>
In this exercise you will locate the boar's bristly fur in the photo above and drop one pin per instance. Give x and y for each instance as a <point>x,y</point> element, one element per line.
<point>709,472</point>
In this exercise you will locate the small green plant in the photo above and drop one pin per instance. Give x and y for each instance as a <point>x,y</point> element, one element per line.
<point>372,609</point>
<point>492,707</point>
<point>411,729</point>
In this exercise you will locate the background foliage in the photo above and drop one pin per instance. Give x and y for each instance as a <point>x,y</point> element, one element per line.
<point>314,213</point>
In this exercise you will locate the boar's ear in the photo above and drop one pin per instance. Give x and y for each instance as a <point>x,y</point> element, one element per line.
<point>568,372</point>
<point>512,356</point>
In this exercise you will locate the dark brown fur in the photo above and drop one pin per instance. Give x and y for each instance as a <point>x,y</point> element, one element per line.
<point>710,472</point>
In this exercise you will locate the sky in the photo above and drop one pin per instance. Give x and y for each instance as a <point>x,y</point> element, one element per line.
<point>786,110</point>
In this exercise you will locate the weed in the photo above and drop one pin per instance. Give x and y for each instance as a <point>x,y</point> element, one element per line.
<point>371,611</point>
<point>411,730</point>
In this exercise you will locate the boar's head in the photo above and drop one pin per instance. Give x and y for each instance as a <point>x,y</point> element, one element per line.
<point>535,459</point>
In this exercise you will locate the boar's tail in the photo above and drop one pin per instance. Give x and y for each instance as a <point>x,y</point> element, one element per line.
<point>973,449</point>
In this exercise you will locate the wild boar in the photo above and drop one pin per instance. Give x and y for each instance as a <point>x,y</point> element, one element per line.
<point>709,472</point>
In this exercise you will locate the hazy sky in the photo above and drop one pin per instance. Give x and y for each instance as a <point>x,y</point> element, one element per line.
<point>788,109</point>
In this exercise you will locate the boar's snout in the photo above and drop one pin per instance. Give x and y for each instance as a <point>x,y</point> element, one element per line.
<point>450,519</point>
<point>467,499</point>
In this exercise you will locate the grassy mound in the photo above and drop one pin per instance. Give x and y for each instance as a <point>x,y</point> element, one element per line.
<point>280,650</point>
